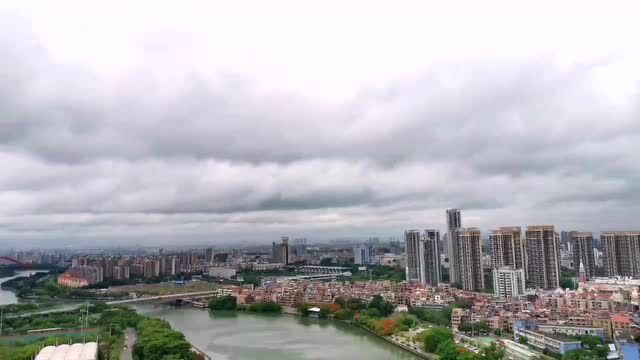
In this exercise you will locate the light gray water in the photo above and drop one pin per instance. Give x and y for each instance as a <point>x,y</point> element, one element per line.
<point>8,296</point>
<point>240,336</point>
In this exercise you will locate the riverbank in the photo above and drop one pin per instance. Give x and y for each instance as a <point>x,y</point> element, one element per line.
<point>419,353</point>
<point>245,335</point>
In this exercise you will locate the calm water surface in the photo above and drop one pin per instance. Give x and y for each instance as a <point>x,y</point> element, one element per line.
<point>8,296</point>
<point>244,336</point>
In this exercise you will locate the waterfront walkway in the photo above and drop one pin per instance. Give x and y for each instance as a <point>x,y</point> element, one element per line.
<point>130,336</point>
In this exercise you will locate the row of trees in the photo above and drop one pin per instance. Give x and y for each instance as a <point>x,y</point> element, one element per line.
<point>436,317</point>
<point>157,341</point>
<point>346,309</point>
<point>473,328</point>
<point>373,315</point>
<point>265,307</point>
<point>226,302</point>
<point>229,302</point>
<point>439,340</point>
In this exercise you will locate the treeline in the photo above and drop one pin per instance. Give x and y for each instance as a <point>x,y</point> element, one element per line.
<point>373,315</point>
<point>439,340</point>
<point>436,317</point>
<point>157,341</point>
<point>378,272</point>
<point>229,302</point>
<point>6,271</point>
<point>23,284</point>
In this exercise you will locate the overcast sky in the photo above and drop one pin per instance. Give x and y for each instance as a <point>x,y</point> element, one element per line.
<point>142,122</point>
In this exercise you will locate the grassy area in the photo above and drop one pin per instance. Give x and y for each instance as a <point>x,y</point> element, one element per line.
<point>69,319</point>
<point>156,339</point>
<point>26,349</point>
<point>17,309</point>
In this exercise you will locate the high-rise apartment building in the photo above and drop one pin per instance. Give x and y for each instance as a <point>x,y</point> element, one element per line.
<point>208,256</point>
<point>454,223</point>
<point>423,256</point>
<point>431,245</point>
<point>284,250</point>
<point>583,252</point>
<point>508,281</point>
<point>300,246</point>
<point>91,274</point>
<point>565,240</point>
<point>361,255</point>
<point>394,246</point>
<point>470,247</point>
<point>621,253</point>
<point>151,268</point>
<point>507,248</point>
<point>454,220</point>
<point>412,251</point>
<point>543,256</point>
<point>121,272</point>
<point>275,253</point>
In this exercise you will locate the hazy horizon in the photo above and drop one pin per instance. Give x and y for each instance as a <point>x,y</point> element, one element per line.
<point>246,121</point>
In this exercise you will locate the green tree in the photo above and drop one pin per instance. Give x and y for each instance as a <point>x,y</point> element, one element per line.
<point>462,303</point>
<point>356,304</point>
<point>591,341</point>
<point>304,310</point>
<point>523,340</point>
<point>226,302</point>
<point>567,283</point>
<point>579,354</point>
<point>327,262</point>
<point>436,317</point>
<point>373,313</point>
<point>324,311</point>
<point>385,308</point>
<point>447,350</point>
<point>345,314</point>
<point>436,336</point>
<point>492,352</point>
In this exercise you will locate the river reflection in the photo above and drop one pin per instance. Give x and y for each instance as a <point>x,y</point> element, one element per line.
<point>239,336</point>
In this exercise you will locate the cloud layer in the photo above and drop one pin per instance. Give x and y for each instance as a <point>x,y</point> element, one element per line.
<point>164,129</point>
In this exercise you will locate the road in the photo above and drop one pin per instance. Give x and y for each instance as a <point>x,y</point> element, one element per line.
<point>129,340</point>
<point>163,297</point>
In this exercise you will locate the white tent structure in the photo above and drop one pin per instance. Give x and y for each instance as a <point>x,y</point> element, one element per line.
<point>79,351</point>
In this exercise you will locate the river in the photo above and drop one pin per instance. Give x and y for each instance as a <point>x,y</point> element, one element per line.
<point>244,336</point>
<point>247,336</point>
<point>8,296</point>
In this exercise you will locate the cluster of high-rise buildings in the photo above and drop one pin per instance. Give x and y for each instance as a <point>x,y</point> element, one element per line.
<point>518,259</point>
<point>89,270</point>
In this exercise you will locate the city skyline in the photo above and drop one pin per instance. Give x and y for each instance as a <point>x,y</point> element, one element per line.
<point>185,125</point>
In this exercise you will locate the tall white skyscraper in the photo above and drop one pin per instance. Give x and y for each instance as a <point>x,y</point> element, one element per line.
<point>361,254</point>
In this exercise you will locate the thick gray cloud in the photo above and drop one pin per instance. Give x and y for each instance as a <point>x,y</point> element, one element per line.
<point>178,144</point>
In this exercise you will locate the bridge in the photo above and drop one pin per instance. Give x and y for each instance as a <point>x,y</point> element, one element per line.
<point>7,261</point>
<point>191,295</point>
